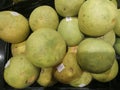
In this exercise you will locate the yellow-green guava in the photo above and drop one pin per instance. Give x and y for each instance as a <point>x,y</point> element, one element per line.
<point>14,27</point>
<point>19,73</point>
<point>45,48</point>
<point>68,7</point>
<point>43,17</point>
<point>97,17</point>
<point>18,48</point>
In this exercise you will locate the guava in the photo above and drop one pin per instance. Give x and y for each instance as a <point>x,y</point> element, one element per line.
<point>43,17</point>
<point>117,25</point>
<point>18,48</point>
<point>69,69</point>
<point>97,17</point>
<point>14,27</point>
<point>45,48</point>
<point>84,80</point>
<point>46,78</point>
<point>70,31</point>
<point>19,73</point>
<point>117,46</point>
<point>108,75</point>
<point>68,7</point>
<point>95,55</point>
<point>109,37</point>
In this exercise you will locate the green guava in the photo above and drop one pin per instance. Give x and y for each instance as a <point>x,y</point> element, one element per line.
<point>45,48</point>
<point>95,55</point>
<point>117,46</point>
<point>117,25</point>
<point>18,48</point>
<point>108,75</point>
<point>70,31</point>
<point>109,37</point>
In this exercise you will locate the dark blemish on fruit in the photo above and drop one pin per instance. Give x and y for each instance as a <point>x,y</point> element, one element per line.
<point>71,69</point>
<point>64,9</point>
<point>26,81</point>
<point>113,20</point>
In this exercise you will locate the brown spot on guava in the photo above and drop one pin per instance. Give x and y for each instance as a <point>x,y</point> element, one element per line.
<point>113,20</point>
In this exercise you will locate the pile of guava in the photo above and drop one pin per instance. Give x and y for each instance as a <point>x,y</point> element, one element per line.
<point>73,42</point>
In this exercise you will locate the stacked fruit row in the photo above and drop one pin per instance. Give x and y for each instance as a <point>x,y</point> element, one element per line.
<point>74,50</point>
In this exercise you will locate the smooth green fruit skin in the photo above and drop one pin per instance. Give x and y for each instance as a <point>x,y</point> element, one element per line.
<point>20,73</point>
<point>95,55</point>
<point>43,17</point>
<point>70,31</point>
<point>117,26</point>
<point>68,7</point>
<point>108,75</point>
<point>84,80</point>
<point>109,37</point>
<point>97,17</point>
<point>45,48</point>
<point>117,46</point>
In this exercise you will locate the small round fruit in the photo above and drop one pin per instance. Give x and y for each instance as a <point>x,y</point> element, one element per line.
<point>97,17</point>
<point>95,55</point>
<point>45,48</point>
<point>117,25</point>
<point>68,7</point>
<point>19,72</point>
<point>109,37</point>
<point>108,75</point>
<point>69,29</point>
<point>43,17</point>
<point>84,80</point>
<point>14,27</point>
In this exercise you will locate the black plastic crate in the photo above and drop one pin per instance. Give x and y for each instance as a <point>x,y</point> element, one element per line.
<point>26,8</point>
